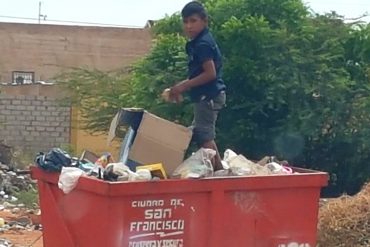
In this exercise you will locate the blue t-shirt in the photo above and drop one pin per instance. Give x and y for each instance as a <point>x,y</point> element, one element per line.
<point>199,50</point>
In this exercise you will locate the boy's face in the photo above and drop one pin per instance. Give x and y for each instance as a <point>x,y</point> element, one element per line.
<point>193,25</point>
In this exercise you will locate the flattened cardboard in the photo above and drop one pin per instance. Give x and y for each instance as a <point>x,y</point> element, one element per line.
<point>147,151</point>
<point>156,141</point>
<point>170,134</point>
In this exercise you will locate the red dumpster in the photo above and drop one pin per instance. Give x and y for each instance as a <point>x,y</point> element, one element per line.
<point>263,211</point>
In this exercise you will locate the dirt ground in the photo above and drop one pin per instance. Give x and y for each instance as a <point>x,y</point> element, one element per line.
<point>21,238</point>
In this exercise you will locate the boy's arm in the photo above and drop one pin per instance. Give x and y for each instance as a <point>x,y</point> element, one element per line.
<point>208,74</point>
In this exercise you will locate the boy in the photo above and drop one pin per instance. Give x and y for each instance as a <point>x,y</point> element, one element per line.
<point>207,89</point>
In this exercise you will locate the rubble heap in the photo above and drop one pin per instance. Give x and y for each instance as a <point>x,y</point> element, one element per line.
<point>13,214</point>
<point>11,183</point>
<point>5,243</point>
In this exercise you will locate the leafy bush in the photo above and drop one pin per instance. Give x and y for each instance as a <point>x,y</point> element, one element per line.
<point>298,85</point>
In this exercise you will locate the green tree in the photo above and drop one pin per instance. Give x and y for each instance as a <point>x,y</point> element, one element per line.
<point>298,85</point>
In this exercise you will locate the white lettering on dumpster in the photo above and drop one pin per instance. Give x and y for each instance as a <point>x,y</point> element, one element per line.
<point>158,243</point>
<point>294,244</point>
<point>157,224</point>
<point>147,203</point>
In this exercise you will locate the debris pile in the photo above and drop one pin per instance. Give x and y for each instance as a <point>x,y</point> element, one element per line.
<point>18,217</point>
<point>14,215</point>
<point>5,243</point>
<point>11,182</point>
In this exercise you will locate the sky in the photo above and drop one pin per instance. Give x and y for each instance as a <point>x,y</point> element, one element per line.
<point>134,13</point>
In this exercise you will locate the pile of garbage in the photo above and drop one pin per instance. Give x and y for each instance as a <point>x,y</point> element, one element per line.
<point>345,221</point>
<point>20,218</point>
<point>198,165</point>
<point>5,243</point>
<point>12,183</point>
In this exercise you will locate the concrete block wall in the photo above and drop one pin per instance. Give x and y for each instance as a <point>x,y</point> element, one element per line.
<point>48,50</point>
<point>34,123</point>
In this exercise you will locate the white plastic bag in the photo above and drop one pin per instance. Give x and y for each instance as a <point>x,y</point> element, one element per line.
<point>229,155</point>
<point>118,169</point>
<point>68,178</point>
<point>241,166</point>
<point>196,166</point>
<point>276,168</point>
<point>140,175</point>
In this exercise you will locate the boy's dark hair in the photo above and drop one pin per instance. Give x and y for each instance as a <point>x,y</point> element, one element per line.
<point>192,8</point>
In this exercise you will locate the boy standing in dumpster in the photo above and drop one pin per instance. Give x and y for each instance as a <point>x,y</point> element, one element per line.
<point>204,83</point>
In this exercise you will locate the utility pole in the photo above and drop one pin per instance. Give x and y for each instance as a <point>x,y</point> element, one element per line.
<point>41,15</point>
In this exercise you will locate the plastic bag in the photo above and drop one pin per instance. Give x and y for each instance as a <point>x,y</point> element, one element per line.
<point>229,155</point>
<point>115,170</point>
<point>140,175</point>
<point>54,160</point>
<point>241,166</point>
<point>276,168</point>
<point>68,178</point>
<point>196,166</point>
<point>121,172</point>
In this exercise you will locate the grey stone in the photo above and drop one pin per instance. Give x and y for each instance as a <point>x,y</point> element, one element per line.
<point>11,107</point>
<point>42,98</point>
<point>30,97</point>
<point>27,113</point>
<point>51,129</point>
<point>21,107</point>
<point>40,118</point>
<point>53,133</point>
<point>36,113</point>
<point>46,113</point>
<point>5,112</point>
<point>21,118</point>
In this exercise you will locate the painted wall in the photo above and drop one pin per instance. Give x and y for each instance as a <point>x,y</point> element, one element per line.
<point>47,50</point>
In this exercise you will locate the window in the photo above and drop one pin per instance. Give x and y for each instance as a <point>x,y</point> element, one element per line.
<point>23,77</point>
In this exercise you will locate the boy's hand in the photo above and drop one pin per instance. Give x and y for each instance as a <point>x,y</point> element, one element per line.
<point>168,97</point>
<point>179,88</point>
<point>177,91</point>
<point>174,94</point>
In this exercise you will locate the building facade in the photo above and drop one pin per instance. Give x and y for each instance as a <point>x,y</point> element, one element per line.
<point>32,55</point>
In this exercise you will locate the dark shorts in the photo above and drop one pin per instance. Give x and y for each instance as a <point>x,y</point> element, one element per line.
<point>205,116</point>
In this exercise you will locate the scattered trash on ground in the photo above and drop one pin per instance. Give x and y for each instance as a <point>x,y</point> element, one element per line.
<point>20,223</point>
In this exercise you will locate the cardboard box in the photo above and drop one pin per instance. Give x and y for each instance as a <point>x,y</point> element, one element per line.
<point>152,139</point>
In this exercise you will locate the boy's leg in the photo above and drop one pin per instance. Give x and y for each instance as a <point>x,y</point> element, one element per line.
<point>204,132</point>
<point>216,162</point>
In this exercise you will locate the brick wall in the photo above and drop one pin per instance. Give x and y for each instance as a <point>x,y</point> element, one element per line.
<point>27,112</point>
<point>33,122</point>
<point>48,50</point>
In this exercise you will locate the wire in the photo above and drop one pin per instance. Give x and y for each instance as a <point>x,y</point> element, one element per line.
<point>72,22</point>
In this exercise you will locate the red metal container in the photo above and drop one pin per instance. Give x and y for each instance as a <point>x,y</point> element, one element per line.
<point>264,211</point>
